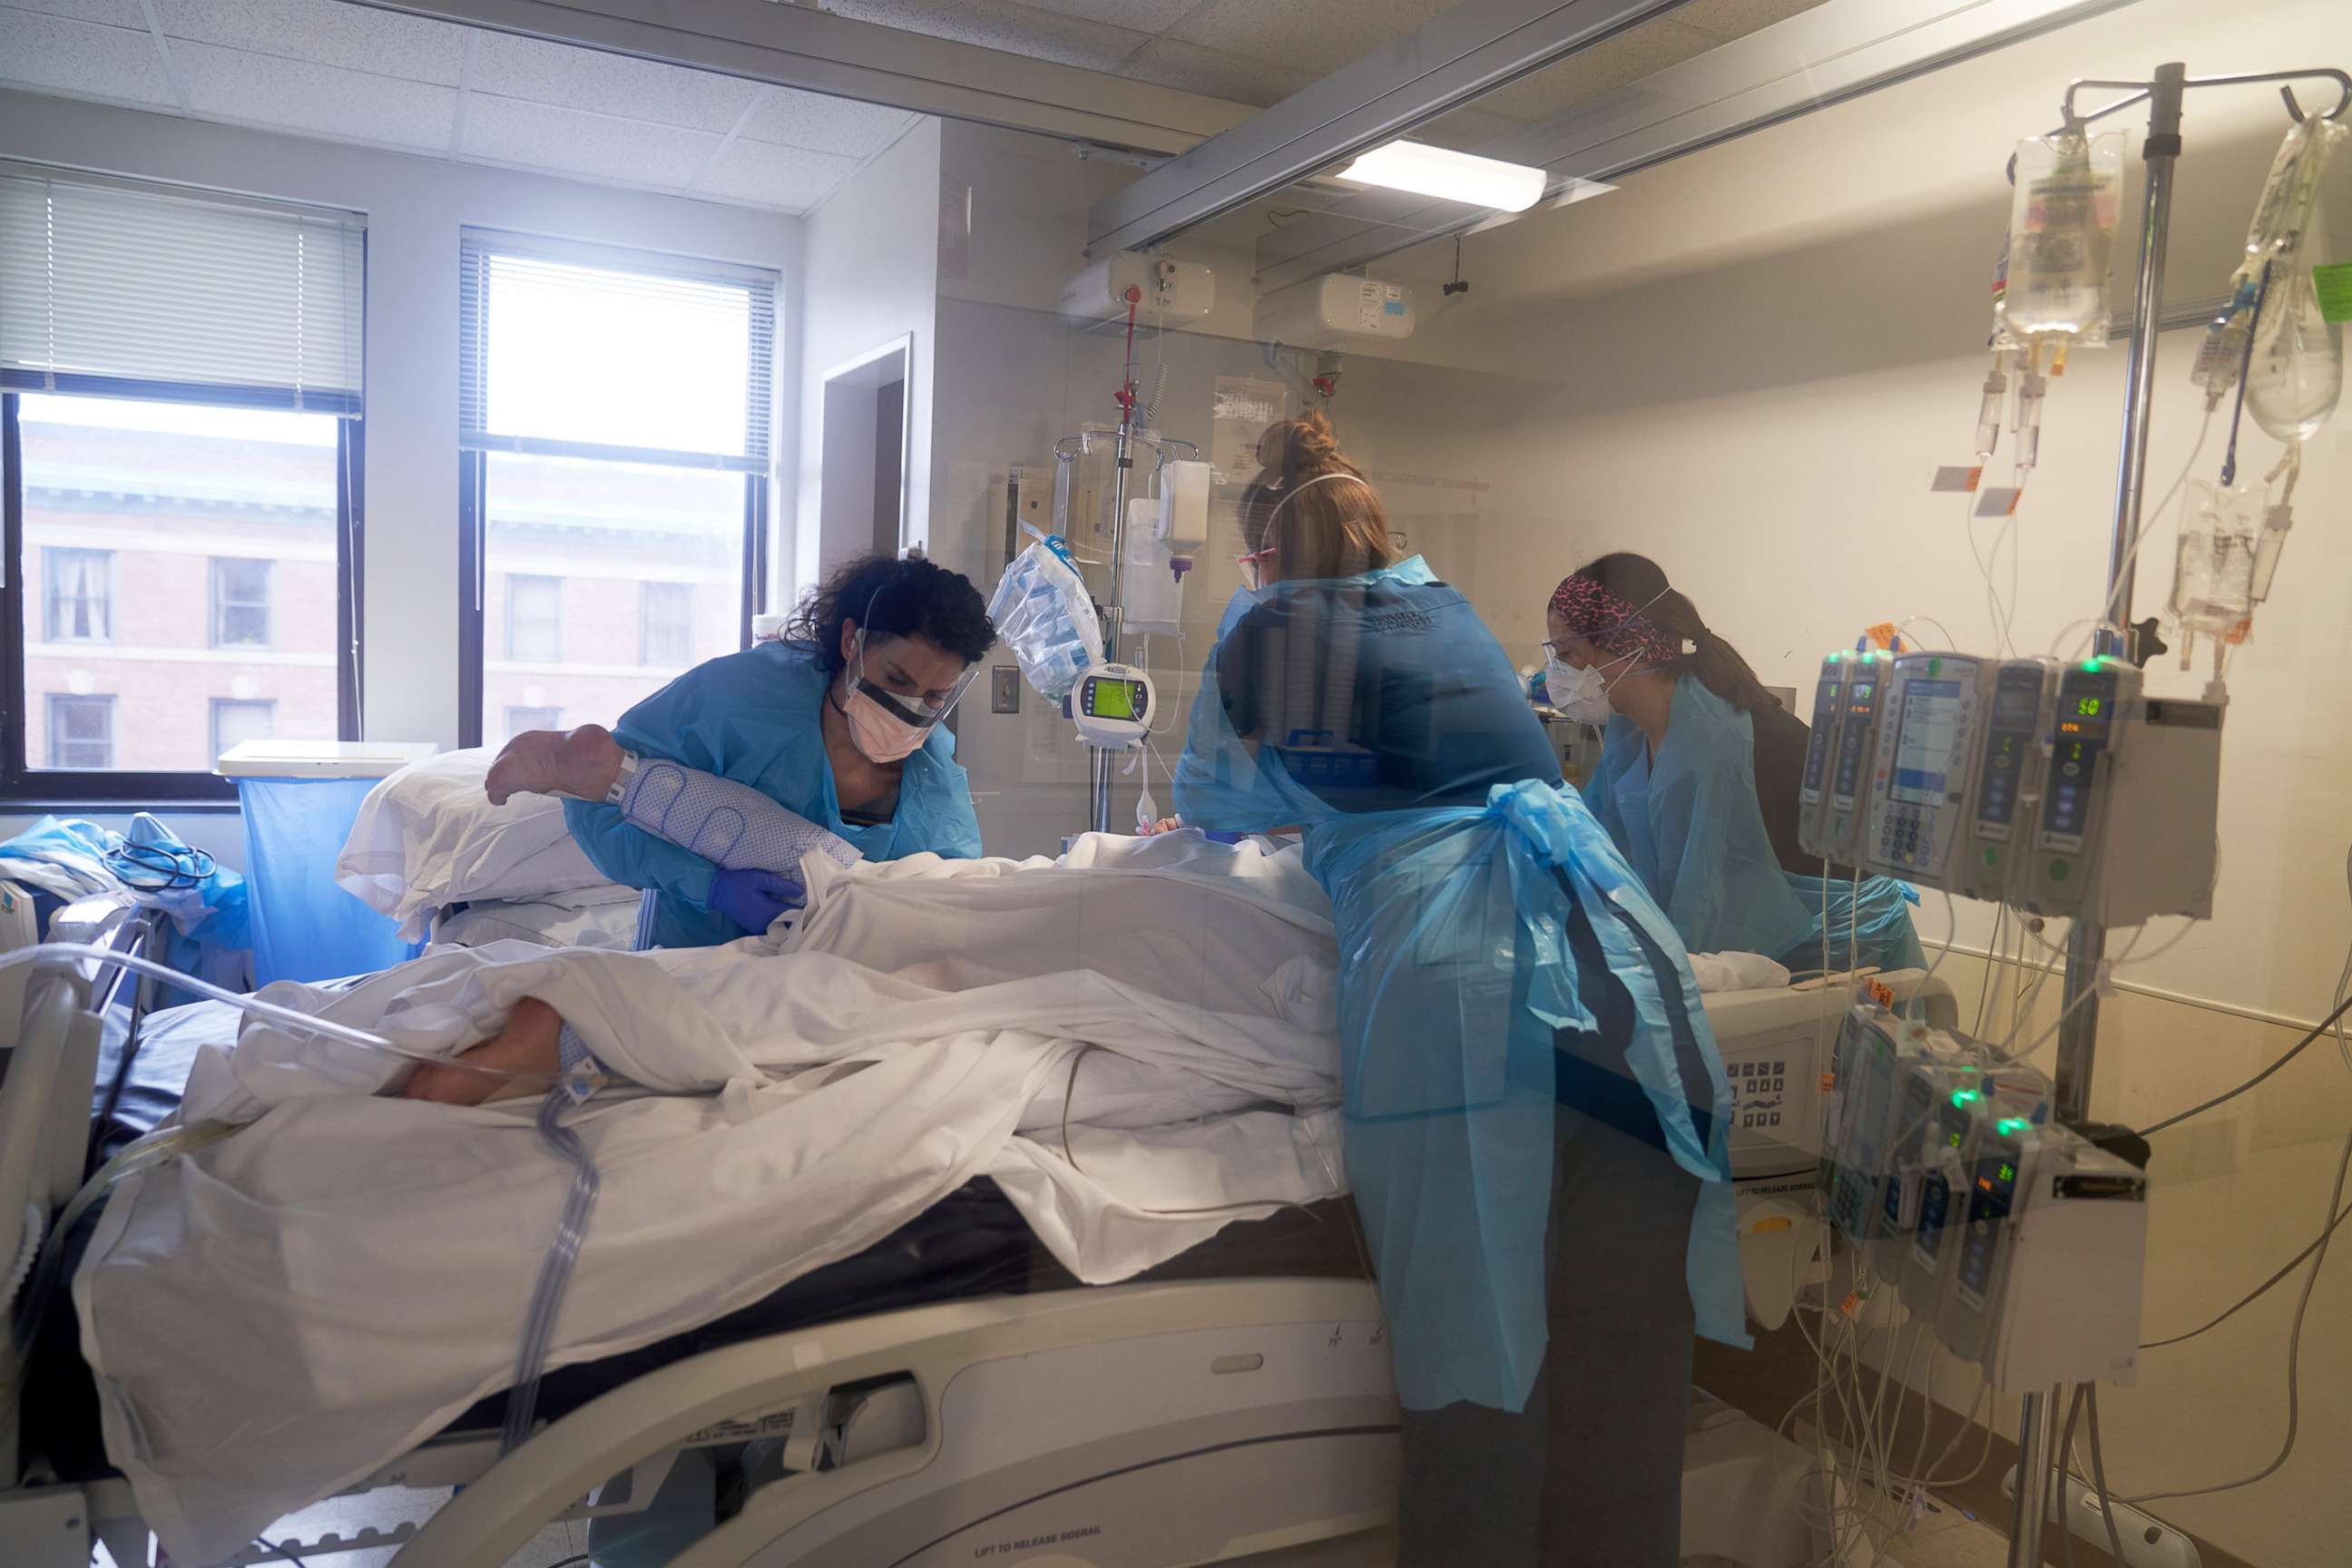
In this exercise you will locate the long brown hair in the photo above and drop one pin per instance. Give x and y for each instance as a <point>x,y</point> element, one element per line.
<point>1335,528</point>
<point>1641,583</point>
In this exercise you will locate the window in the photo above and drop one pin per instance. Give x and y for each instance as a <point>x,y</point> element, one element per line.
<point>180,464</point>
<point>666,625</point>
<point>613,429</point>
<point>535,619</point>
<point>238,719</point>
<point>79,586</point>
<point>81,731</point>
<point>240,603</point>
<point>522,720</point>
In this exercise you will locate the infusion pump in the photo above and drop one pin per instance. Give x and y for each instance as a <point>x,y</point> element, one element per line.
<point>2060,788</point>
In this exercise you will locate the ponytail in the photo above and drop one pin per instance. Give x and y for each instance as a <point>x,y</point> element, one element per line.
<point>1722,671</point>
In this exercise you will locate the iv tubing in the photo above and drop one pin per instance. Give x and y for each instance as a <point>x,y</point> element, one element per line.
<point>286,1017</point>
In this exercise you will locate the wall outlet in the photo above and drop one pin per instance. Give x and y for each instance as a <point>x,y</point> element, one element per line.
<point>1004,689</point>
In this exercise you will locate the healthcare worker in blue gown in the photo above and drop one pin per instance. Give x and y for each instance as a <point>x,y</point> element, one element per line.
<point>1698,775</point>
<point>1530,1089</point>
<point>840,722</point>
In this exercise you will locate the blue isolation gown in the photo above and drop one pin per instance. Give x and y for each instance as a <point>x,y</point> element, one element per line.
<point>756,717</point>
<point>1690,824</point>
<point>1457,863</point>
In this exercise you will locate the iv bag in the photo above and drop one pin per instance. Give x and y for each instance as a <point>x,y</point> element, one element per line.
<point>2295,371</point>
<point>2213,570</point>
<point>2062,239</point>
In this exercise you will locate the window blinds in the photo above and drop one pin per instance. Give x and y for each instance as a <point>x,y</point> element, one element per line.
<point>582,350</point>
<point>112,286</point>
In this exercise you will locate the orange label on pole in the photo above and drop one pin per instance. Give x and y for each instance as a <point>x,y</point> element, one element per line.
<point>1883,634</point>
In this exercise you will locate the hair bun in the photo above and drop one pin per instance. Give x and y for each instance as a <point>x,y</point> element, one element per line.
<point>1301,445</point>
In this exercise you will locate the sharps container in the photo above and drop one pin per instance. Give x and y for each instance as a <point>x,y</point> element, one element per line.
<point>299,799</point>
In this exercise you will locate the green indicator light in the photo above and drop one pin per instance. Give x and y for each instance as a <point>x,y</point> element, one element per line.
<point>2009,1124</point>
<point>1935,667</point>
<point>2091,664</point>
<point>1837,656</point>
<point>1966,1097</point>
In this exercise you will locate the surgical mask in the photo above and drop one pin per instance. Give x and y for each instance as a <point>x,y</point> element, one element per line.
<point>883,725</point>
<point>1581,694</point>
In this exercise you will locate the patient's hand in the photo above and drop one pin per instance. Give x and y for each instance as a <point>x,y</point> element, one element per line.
<point>527,1044</point>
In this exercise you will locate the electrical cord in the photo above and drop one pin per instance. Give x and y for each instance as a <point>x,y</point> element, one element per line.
<point>2292,1052</point>
<point>285,1555</point>
<point>2293,1359</point>
<point>2099,1480</point>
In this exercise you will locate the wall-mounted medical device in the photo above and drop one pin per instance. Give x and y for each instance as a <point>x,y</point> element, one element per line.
<point>2125,828</point>
<point>2008,768</point>
<point>1113,706</point>
<point>1920,782</point>
<point>1336,309</point>
<point>1168,291</point>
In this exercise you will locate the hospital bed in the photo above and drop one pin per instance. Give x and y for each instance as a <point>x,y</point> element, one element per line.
<point>948,1396</point>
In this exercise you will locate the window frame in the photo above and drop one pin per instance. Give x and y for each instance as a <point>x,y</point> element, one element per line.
<point>24,787</point>
<point>648,592</point>
<point>512,580</point>
<point>49,624</point>
<point>213,581</point>
<point>49,717</point>
<point>473,454</point>
<point>217,703</point>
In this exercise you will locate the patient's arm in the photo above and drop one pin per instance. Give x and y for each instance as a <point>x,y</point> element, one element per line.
<point>529,1043</point>
<point>730,824</point>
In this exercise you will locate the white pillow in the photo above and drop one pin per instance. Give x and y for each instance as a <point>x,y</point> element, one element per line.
<point>428,835</point>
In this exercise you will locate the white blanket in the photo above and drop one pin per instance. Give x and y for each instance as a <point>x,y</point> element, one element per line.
<point>283,1313</point>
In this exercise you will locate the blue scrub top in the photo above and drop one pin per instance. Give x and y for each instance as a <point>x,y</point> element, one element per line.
<point>756,718</point>
<point>1689,821</point>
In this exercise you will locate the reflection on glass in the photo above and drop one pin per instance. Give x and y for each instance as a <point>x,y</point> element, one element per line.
<point>184,562</point>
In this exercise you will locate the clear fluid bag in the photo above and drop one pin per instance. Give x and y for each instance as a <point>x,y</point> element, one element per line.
<point>2062,239</point>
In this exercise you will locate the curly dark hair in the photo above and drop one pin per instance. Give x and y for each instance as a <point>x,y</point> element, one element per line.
<point>902,597</point>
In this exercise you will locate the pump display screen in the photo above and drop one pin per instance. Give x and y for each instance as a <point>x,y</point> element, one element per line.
<point>2016,704</point>
<point>1923,746</point>
<point>1854,738</point>
<point>2086,708</point>
<point>1113,699</point>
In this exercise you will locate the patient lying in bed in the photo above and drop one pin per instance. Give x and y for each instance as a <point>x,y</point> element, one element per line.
<point>1138,1047</point>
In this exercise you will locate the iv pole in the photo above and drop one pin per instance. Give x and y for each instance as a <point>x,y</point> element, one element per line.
<point>2037,1455</point>
<point>1114,612</point>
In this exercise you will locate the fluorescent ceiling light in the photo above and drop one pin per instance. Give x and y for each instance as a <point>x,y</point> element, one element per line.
<point>1452,176</point>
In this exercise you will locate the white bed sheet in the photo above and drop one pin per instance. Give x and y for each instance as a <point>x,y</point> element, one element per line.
<point>286,1311</point>
<point>604,916</point>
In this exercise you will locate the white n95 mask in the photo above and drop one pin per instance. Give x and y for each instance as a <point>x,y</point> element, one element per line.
<point>1581,694</point>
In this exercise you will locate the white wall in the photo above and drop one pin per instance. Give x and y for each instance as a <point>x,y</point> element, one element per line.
<point>415,206</point>
<point>870,277</point>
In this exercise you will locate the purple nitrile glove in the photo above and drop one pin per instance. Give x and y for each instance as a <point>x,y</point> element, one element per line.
<point>754,899</point>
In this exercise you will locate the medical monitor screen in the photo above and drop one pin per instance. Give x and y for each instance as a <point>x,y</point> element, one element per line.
<point>1110,699</point>
<point>1931,721</point>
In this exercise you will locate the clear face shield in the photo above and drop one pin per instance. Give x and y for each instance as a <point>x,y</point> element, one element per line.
<point>890,713</point>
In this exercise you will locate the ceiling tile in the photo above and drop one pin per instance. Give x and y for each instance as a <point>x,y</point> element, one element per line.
<point>1612,63</point>
<point>1317,37</point>
<point>509,130</point>
<point>56,55</point>
<point>790,178</point>
<point>1737,18</point>
<point>1002,24</point>
<point>110,13</point>
<point>573,77</point>
<point>300,95</point>
<point>1135,16</point>
<point>1464,129</point>
<point>791,117</point>
<point>357,38</point>
<point>1169,62</point>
